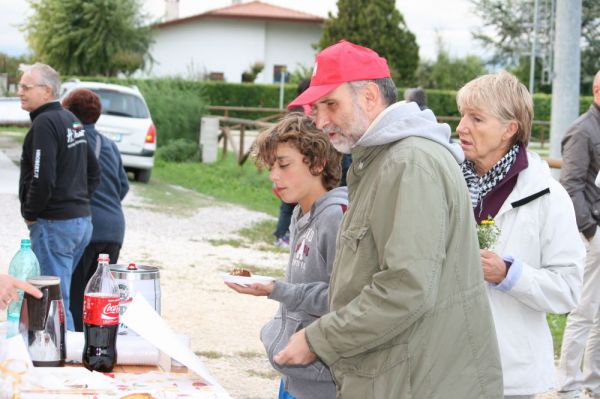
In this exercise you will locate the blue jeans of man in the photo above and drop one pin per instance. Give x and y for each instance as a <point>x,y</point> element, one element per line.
<point>58,245</point>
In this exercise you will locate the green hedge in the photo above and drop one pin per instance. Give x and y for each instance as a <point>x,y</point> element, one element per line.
<point>177,105</point>
<point>443,103</point>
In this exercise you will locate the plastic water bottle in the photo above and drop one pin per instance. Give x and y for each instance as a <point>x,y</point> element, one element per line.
<point>23,266</point>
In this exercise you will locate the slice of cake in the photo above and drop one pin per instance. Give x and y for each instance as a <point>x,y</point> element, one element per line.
<point>238,271</point>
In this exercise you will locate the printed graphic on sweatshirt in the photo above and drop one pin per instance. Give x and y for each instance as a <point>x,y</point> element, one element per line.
<point>36,164</point>
<point>75,135</point>
<point>302,250</point>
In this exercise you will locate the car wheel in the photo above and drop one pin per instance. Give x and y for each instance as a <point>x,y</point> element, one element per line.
<point>142,175</point>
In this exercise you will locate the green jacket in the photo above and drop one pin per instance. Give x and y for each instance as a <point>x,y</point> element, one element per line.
<point>409,314</point>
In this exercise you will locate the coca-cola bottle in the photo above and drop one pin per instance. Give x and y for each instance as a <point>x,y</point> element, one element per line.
<point>101,319</point>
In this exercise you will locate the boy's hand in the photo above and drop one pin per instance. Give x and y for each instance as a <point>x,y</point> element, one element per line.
<point>296,352</point>
<point>255,289</point>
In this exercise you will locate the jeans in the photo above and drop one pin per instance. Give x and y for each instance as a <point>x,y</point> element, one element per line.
<point>285,217</point>
<point>283,394</point>
<point>58,245</point>
<point>581,340</point>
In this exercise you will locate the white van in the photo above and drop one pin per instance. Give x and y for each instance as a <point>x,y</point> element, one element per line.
<point>126,120</point>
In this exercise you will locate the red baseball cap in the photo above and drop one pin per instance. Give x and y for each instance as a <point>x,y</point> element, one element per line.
<point>340,63</point>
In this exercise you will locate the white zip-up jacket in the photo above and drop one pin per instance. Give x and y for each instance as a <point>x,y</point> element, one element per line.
<point>539,235</point>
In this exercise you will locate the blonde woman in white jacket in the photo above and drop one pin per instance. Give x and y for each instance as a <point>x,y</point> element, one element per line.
<point>536,265</point>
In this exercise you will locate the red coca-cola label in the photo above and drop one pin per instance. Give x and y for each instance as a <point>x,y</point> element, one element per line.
<point>101,310</point>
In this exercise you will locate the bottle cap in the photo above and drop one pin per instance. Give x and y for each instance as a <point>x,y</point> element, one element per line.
<point>132,266</point>
<point>26,243</point>
<point>103,258</point>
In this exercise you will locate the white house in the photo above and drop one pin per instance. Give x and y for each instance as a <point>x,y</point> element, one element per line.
<point>225,42</point>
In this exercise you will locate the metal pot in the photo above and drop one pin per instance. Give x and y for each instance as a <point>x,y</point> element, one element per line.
<point>132,279</point>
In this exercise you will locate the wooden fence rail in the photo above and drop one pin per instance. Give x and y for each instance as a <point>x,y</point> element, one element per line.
<point>228,123</point>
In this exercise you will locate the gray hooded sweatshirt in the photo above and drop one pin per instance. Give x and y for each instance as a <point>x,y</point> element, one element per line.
<point>402,120</point>
<point>303,296</point>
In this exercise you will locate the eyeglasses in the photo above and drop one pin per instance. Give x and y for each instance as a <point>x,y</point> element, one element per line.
<point>25,87</point>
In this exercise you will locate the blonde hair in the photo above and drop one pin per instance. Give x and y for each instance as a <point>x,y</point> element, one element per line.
<point>503,96</point>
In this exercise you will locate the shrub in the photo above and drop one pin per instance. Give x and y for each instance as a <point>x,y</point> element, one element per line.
<point>179,150</point>
<point>176,108</point>
<point>178,105</point>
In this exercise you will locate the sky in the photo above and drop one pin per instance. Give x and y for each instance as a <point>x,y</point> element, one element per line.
<point>453,20</point>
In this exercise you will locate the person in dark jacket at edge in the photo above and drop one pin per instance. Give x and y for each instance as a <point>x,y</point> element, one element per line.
<point>59,174</point>
<point>107,214</point>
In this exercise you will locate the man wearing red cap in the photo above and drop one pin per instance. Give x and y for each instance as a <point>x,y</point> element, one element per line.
<point>409,316</point>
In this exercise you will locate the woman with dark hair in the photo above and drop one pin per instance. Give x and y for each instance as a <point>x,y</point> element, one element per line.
<point>107,215</point>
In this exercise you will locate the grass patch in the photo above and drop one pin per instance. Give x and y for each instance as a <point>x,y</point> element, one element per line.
<point>209,354</point>
<point>270,375</point>
<point>15,131</point>
<point>250,354</point>
<point>232,242</point>
<point>224,180</point>
<point>160,196</point>
<point>258,236</point>
<point>557,324</point>
<point>260,232</point>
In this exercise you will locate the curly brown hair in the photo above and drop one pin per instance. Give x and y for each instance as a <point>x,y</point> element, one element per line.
<point>84,104</point>
<point>299,131</point>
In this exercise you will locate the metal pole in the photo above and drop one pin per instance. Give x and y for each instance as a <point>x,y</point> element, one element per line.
<point>536,12</point>
<point>281,81</point>
<point>565,83</point>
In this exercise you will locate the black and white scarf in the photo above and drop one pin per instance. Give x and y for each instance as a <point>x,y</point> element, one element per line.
<point>478,186</point>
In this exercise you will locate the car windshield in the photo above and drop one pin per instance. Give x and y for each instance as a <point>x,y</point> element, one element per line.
<point>121,104</point>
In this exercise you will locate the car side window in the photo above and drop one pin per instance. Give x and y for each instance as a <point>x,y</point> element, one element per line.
<point>121,104</point>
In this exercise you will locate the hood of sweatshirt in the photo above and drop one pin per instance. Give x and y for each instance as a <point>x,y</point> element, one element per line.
<point>338,196</point>
<point>402,120</point>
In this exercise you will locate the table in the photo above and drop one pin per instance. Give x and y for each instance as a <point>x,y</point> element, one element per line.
<point>74,381</point>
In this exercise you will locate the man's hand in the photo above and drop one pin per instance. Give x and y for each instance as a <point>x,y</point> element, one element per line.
<point>29,222</point>
<point>296,352</point>
<point>494,268</point>
<point>8,290</point>
<point>255,289</point>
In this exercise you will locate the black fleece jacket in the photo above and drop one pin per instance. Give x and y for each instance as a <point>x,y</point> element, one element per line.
<point>59,171</point>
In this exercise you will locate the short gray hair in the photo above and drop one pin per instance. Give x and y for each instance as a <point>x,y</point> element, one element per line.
<point>47,76</point>
<point>387,87</point>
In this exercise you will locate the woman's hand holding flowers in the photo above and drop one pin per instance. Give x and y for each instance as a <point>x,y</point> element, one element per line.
<point>494,268</point>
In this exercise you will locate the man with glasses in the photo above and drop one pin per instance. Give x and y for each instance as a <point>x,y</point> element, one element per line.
<point>59,173</point>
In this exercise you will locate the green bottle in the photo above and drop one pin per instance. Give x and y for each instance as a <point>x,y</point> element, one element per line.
<point>23,266</point>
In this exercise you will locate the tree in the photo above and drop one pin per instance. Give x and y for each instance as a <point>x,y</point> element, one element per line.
<point>89,37</point>
<point>447,72</point>
<point>10,66</point>
<point>376,24</point>
<point>249,76</point>
<point>511,25</point>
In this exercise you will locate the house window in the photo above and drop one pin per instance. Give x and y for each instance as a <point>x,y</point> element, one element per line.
<point>277,71</point>
<point>216,76</point>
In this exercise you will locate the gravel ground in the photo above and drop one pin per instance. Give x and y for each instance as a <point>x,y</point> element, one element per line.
<point>223,325</point>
